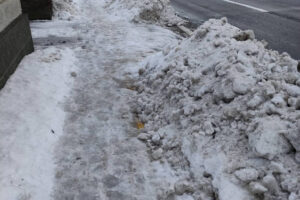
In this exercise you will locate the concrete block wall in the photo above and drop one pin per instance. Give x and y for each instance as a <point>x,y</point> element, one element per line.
<point>15,38</point>
<point>9,10</point>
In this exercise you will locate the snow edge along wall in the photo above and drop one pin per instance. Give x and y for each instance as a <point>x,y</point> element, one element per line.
<point>15,38</point>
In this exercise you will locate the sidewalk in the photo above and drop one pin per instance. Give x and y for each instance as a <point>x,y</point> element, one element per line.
<point>217,114</point>
<point>68,132</point>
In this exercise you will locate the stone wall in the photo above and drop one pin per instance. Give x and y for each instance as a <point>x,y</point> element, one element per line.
<point>9,10</point>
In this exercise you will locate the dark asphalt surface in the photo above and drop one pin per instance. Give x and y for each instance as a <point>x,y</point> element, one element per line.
<point>280,26</point>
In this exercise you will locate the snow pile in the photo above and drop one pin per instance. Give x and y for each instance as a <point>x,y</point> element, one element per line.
<point>64,9</point>
<point>144,10</point>
<point>224,108</point>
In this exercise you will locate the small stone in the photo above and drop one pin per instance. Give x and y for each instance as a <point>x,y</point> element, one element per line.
<point>157,154</point>
<point>73,74</point>
<point>141,71</point>
<point>257,188</point>
<point>247,175</point>
<point>206,174</point>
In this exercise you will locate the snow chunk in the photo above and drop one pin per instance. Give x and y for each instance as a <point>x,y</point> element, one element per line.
<point>64,9</point>
<point>208,128</point>
<point>267,140</point>
<point>242,84</point>
<point>245,35</point>
<point>247,175</point>
<point>257,188</point>
<point>270,182</point>
<point>157,154</point>
<point>182,187</point>
<point>294,137</point>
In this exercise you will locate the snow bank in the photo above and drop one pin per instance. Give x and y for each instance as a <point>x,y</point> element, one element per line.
<point>229,107</point>
<point>144,10</point>
<point>155,11</point>
<point>32,120</point>
<point>64,9</point>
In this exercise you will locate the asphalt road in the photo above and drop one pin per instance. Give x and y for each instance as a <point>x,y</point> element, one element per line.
<point>276,21</point>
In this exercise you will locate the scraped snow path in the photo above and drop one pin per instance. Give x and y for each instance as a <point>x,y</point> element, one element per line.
<point>66,129</point>
<point>99,156</point>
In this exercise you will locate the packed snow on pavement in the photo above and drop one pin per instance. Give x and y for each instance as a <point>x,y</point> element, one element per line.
<point>31,118</point>
<point>114,105</point>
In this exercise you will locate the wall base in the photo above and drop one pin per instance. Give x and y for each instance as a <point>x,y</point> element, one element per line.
<point>15,43</point>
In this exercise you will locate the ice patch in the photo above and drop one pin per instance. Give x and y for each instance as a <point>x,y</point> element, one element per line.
<point>32,119</point>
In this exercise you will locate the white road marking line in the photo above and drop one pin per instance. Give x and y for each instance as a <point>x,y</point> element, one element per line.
<point>247,6</point>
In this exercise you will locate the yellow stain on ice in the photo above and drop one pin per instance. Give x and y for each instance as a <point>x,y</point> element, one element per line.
<point>140,125</point>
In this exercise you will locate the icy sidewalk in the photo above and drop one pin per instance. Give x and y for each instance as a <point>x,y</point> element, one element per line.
<point>99,156</point>
<point>70,99</point>
<point>31,121</point>
<point>205,102</point>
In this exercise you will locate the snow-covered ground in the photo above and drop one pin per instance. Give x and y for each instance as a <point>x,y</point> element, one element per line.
<point>113,105</point>
<point>32,120</point>
<point>66,128</point>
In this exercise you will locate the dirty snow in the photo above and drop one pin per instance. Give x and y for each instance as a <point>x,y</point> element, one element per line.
<point>65,9</point>
<point>155,11</point>
<point>112,105</point>
<point>233,109</point>
<point>73,135</point>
